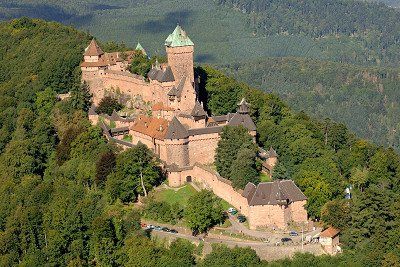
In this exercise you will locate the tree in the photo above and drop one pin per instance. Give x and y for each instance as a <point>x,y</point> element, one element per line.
<point>104,166</point>
<point>108,104</point>
<point>204,210</point>
<point>280,171</point>
<point>243,169</point>
<point>180,253</point>
<point>336,213</point>
<point>81,98</point>
<point>140,64</point>
<point>136,172</point>
<point>232,139</point>
<point>221,255</point>
<point>45,101</point>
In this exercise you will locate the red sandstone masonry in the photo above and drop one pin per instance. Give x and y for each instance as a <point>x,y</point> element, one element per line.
<point>258,216</point>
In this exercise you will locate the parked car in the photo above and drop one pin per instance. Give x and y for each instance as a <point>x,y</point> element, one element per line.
<point>150,227</point>
<point>286,239</point>
<point>241,218</point>
<point>293,233</point>
<point>165,229</point>
<point>158,228</point>
<point>143,225</point>
<point>173,231</point>
<point>232,211</point>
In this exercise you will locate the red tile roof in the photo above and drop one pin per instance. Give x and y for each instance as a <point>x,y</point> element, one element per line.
<point>160,106</point>
<point>330,232</point>
<point>93,49</point>
<point>153,127</point>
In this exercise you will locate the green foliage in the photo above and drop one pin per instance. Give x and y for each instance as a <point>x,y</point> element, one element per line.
<point>133,166</point>
<point>336,213</point>
<point>107,105</point>
<point>81,98</point>
<point>234,140</point>
<point>203,211</point>
<point>163,211</point>
<point>353,20</point>
<point>243,169</point>
<point>224,256</point>
<point>104,166</point>
<point>364,98</point>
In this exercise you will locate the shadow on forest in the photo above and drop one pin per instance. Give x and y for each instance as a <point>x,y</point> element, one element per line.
<point>206,57</point>
<point>166,23</point>
<point>41,11</point>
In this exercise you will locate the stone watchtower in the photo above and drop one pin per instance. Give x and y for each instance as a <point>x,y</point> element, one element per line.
<point>93,52</point>
<point>180,51</point>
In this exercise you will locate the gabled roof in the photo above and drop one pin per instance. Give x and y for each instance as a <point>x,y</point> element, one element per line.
<point>178,38</point>
<point>198,110</point>
<point>153,127</point>
<point>93,49</point>
<point>161,75</point>
<point>244,120</point>
<point>177,91</point>
<point>273,193</point>
<point>176,130</point>
<point>330,232</point>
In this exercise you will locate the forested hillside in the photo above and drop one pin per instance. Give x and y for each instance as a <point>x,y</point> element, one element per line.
<point>365,99</point>
<point>372,27</point>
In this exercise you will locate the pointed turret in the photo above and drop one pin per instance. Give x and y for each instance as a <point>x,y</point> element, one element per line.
<point>178,38</point>
<point>93,50</point>
<point>139,47</point>
<point>243,107</point>
<point>180,50</point>
<point>176,130</point>
<point>198,111</point>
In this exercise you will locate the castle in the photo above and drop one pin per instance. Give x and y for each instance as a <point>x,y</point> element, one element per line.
<point>178,129</point>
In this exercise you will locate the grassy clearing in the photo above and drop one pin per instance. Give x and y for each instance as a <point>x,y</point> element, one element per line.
<point>264,177</point>
<point>180,196</point>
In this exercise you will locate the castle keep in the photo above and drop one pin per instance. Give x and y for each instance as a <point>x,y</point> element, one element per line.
<point>178,129</point>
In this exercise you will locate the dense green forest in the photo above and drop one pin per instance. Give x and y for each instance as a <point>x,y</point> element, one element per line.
<point>243,35</point>
<point>365,99</point>
<point>66,194</point>
<point>374,27</point>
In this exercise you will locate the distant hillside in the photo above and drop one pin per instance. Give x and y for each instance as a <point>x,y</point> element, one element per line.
<point>374,28</point>
<point>365,99</point>
<point>225,34</point>
<point>240,32</point>
<point>392,3</point>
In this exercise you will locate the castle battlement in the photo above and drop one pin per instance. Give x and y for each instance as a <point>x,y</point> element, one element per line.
<point>179,131</point>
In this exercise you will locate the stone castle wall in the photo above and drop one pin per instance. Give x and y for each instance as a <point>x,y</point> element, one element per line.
<point>267,215</point>
<point>202,148</point>
<point>298,212</point>
<point>258,216</point>
<point>211,181</point>
<point>100,81</point>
